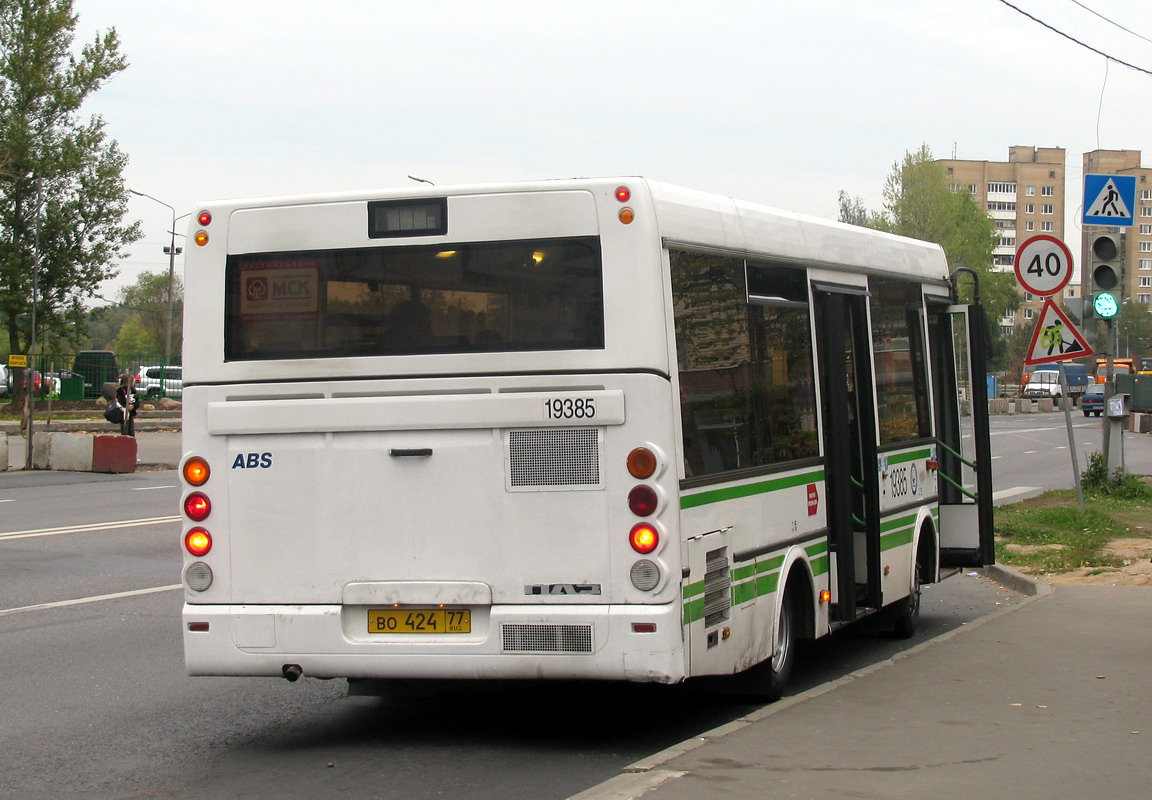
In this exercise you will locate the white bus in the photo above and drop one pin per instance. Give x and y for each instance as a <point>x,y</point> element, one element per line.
<point>579,429</point>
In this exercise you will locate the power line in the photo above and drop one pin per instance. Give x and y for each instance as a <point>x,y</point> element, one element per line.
<point>1075,40</point>
<point>1111,22</point>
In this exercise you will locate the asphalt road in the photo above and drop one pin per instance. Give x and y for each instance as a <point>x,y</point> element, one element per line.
<point>95,702</point>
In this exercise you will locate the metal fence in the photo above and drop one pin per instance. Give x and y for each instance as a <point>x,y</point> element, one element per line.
<point>61,376</point>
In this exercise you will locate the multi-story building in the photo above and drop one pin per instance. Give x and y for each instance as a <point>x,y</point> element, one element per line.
<point>1024,196</point>
<point>1136,241</point>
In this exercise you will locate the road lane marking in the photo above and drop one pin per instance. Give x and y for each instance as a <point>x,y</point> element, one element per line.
<point>153,488</point>
<point>1015,490</point>
<point>95,526</point>
<point>95,599</point>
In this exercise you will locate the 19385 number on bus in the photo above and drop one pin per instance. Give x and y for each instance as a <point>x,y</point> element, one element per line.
<point>570,408</point>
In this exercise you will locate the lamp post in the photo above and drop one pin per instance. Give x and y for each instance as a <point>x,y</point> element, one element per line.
<point>172,251</point>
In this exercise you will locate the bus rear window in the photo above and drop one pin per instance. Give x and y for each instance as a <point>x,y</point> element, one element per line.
<point>544,294</point>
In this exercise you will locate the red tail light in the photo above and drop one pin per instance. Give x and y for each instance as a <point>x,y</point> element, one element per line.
<point>642,501</point>
<point>197,506</point>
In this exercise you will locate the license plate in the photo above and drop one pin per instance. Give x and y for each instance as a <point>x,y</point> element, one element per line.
<point>419,620</point>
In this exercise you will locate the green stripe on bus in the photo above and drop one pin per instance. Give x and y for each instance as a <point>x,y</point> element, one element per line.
<point>743,573</point>
<point>749,489</point>
<point>915,455</point>
<point>899,522</point>
<point>693,611</point>
<point>819,565</point>
<point>896,539</point>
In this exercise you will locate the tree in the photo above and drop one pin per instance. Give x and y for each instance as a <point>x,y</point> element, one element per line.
<point>148,300</point>
<point>919,202</point>
<point>62,193</point>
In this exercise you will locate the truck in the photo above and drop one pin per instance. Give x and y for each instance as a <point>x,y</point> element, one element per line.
<point>1045,382</point>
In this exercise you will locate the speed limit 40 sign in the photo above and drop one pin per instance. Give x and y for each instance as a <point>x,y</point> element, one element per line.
<point>1043,265</point>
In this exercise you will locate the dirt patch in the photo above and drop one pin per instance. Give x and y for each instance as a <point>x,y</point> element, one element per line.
<point>1135,555</point>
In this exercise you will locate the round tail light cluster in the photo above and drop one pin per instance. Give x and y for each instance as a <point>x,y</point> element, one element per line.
<point>197,508</point>
<point>644,502</point>
<point>203,219</point>
<point>626,215</point>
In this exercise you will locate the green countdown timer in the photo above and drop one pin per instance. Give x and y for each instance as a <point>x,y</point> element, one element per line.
<point>1105,305</point>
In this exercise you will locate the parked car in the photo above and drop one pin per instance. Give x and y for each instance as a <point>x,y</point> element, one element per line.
<point>39,387</point>
<point>1093,400</point>
<point>160,382</point>
<point>98,368</point>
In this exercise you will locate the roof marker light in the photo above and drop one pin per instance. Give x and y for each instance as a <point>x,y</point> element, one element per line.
<point>623,194</point>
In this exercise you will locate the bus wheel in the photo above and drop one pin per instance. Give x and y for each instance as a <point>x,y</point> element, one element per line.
<point>907,611</point>
<point>767,680</point>
<point>780,664</point>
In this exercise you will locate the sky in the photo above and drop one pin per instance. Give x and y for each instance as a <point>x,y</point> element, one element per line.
<point>785,104</point>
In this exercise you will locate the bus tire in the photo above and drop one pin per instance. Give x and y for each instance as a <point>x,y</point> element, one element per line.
<point>778,672</point>
<point>906,612</point>
<point>767,681</point>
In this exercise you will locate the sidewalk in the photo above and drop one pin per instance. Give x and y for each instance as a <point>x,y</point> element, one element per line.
<point>1048,699</point>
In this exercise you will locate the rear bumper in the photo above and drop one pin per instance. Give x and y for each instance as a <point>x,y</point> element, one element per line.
<point>517,642</point>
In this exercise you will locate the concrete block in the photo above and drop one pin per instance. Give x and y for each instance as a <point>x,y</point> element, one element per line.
<point>1139,422</point>
<point>998,405</point>
<point>71,452</point>
<point>3,451</point>
<point>1045,404</point>
<point>113,454</point>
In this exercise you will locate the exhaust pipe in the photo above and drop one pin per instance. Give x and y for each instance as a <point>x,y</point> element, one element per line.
<point>292,672</point>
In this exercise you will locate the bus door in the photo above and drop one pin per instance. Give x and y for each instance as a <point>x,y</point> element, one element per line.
<point>958,340</point>
<point>851,478</point>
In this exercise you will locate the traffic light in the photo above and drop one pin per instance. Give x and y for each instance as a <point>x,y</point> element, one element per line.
<point>1106,269</point>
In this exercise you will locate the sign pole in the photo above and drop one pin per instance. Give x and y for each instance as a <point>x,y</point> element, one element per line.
<point>1066,401</point>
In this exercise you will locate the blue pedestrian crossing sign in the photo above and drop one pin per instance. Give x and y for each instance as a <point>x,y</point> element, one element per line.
<point>1109,199</point>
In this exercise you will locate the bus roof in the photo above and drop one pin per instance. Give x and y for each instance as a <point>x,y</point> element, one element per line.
<point>697,219</point>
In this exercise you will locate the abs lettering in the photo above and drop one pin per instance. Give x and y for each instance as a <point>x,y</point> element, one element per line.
<point>252,461</point>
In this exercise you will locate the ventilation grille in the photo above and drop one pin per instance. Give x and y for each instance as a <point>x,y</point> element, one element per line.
<point>717,587</point>
<point>547,638</point>
<point>554,457</point>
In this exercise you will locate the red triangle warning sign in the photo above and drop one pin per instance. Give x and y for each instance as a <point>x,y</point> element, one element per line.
<point>1055,338</point>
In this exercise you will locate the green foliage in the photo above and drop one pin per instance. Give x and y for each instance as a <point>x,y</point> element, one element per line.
<point>1120,483</point>
<point>1049,534</point>
<point>146,301</point>
<point>920,203</point>
<point>62,193</point>
<point>134,338</point>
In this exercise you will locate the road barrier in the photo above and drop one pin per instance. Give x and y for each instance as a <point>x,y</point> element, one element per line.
<point>84,452</point>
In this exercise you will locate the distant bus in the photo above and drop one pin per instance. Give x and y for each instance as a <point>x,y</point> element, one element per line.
<point>582,429</point>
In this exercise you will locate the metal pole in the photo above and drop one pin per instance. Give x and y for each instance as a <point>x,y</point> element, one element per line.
<point>1066,401</point>
<point>171,273</point>
<point>30,370</point>
<point>168,330</point>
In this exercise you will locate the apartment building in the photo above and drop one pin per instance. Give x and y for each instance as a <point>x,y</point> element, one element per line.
<point>1024,196</point>
<point>1136,241</point>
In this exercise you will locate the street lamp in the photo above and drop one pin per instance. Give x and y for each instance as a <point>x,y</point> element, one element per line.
<point>172,251</point>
